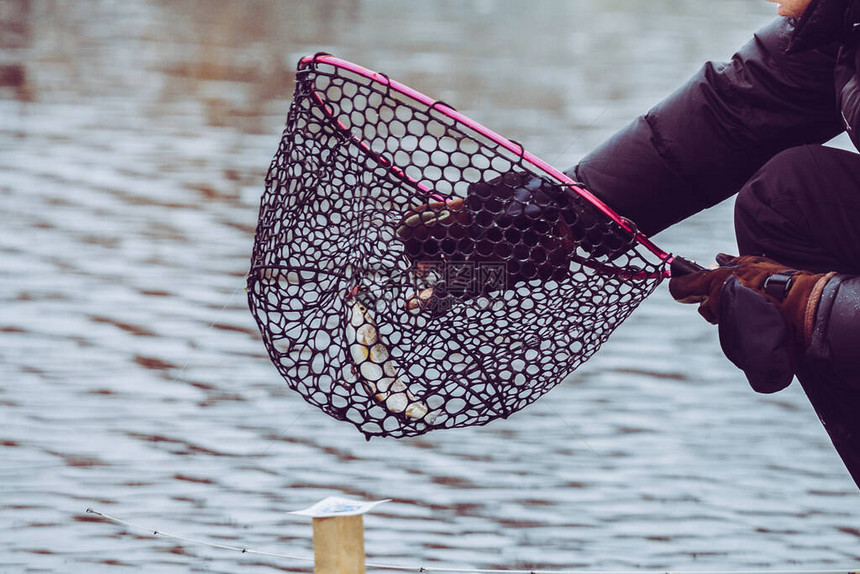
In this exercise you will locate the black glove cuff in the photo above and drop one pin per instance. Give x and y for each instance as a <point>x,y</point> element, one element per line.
<point>755,337</point>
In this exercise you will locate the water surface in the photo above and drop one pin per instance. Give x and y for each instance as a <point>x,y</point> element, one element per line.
<point>134,138</point>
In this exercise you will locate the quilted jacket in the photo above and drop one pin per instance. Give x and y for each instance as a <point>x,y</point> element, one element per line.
<point>796,82</point>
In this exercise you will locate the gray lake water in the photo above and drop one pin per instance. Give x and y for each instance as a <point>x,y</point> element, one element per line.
<point>134,138</point>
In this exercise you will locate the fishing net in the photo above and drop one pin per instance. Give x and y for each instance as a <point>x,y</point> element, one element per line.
<point>413,270</point>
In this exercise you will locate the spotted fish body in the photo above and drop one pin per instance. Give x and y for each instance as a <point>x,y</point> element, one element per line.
<point>373,365</point>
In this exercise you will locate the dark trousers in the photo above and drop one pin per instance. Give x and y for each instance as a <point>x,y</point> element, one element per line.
<point>803,209</point>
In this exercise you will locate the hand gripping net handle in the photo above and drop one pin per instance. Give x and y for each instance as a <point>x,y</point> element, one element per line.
<point>332,277</point>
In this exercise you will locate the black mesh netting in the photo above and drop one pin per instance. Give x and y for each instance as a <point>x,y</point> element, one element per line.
<point>413,271</point>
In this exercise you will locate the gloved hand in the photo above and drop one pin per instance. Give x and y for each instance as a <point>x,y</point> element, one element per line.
<point>525,224</point>
<point>794,292</point>
<point>765,311</point>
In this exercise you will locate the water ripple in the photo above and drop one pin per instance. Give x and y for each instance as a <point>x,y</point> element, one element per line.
<point>134,139</point>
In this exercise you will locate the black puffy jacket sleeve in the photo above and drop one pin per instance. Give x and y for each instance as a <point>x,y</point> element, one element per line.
<point>703,142</point>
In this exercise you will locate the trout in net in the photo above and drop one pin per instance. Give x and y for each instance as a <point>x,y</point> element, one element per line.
<point>413,270</point>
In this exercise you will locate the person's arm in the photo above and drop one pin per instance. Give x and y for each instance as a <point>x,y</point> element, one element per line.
<point>775,322</point>
<point>701,144</point>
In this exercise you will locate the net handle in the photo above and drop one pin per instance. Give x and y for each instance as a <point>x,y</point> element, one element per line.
<point>519,150</point>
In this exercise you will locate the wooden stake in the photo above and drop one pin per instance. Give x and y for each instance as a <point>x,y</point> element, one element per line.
<point>339,545</point>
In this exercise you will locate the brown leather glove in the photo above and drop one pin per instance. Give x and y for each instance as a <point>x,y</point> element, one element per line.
<point>795,293</point>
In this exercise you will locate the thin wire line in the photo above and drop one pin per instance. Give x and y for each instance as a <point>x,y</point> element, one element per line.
<point>455,570</point>
<point>195,540</point>
<point>579,436</point>
<point>579,136</point>
<point>218,314</point>
<point>475,571</point>
<point>283,431</point>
